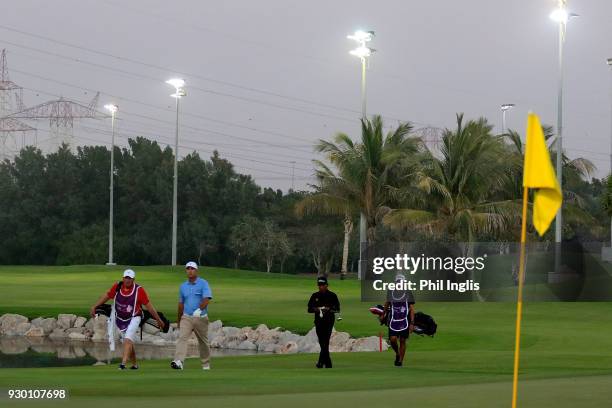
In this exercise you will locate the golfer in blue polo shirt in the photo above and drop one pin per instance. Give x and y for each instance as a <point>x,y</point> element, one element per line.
<point>194,295</point>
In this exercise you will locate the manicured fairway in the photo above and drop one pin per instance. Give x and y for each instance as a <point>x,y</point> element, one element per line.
<point>566,358</point>
<point>433,379</point>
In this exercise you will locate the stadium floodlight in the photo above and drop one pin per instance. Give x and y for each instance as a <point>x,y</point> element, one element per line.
<point>362,52</point>
<point>179,86</point>
<point>176,82</point>
<point>361,36</point>
<point>561,15</point>
<point>112,108</point>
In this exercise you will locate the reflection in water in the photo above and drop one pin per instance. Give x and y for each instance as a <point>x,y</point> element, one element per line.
<point>20,351</point>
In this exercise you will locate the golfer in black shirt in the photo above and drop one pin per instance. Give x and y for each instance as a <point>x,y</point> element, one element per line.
<point>324,304</point>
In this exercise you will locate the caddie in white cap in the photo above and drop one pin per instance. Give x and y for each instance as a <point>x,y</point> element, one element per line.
<point>126,314</point>
<point>194,296</point>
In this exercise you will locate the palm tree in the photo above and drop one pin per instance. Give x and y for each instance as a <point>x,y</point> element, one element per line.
<point>463,188</point>
<point>362,177</point>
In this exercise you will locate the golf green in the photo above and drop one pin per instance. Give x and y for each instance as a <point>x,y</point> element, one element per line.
<point>565,361</point>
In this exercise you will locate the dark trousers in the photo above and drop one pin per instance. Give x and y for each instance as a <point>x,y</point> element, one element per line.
<point>324,331</point>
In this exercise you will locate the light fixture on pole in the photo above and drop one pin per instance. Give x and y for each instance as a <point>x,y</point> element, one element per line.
<point>609,61</point>
<point>179,86</point>
<point>113,110</point>
<point>561,16</point>
<point>363,52</point>
<point>504,108</point>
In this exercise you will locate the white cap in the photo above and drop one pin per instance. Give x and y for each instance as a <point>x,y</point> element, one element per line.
<point>191,264</point>
<point>400,277</point>
<point>128,273</point>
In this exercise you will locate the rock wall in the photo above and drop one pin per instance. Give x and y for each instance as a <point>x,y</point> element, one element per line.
<point>261,338</point>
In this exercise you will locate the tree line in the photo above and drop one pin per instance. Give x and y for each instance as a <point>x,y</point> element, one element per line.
<point>54,207</point>
<point>54,210</point>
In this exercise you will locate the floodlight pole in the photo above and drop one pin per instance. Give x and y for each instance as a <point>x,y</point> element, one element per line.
<point>175,183</point>
<point>179,86</point>
<point>363,227</point>
<point>113,109</point>
<point>609,61</point>
<point>559,141</point>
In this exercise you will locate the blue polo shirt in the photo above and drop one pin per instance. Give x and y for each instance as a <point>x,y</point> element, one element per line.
<point>192,294</point>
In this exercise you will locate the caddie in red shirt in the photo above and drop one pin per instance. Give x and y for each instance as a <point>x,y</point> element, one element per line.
<point>129,298</point>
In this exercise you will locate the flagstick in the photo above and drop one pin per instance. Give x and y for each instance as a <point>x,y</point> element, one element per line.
<point>519,303</point>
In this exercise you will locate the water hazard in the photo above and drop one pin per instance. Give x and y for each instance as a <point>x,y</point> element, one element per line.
<point>22,352</point>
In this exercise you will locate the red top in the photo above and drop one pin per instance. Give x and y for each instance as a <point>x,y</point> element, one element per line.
<point>141,297</point>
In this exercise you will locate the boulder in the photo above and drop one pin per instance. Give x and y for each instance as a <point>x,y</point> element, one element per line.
<point>79,322</point>
<point>58,334</point>
<point>171,336</point>
<point>66,321</point>
<point>306,345</point>
<point>348,346</point>
<point>217,342</point>
<point>99,328</point>
<point>286,337</point>
<point>230,331</point>
<point>77,336</point>
<point>90,325</point>
<point>246,345</point>
<point>79,330</point>
<point>309,343</point>
<point>22,328</point>
<point>48,325</point>
<point>339,342</point>
<point>268,347</point>
<point>35,332</point>
<point>9,323</point>
<point>36,322</point>
<point>368,344</point>
<point>159,342</point>
<point>288,348</point>
<point>270,336</point>
<point>215,326</point>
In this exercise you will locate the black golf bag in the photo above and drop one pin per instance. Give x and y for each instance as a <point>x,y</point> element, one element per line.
<point>424,324</point>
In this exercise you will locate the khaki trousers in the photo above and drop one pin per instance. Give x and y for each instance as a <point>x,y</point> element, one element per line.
<point>199,326</point>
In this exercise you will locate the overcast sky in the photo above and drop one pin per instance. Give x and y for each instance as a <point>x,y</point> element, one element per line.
<point>266,79</point>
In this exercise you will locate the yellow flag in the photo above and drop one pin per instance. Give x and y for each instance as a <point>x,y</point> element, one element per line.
<point>538,174</point>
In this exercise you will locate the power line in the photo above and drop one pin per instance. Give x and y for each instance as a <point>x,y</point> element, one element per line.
<point>108,132</point>
<point>288,147</point>
<point>251,128</point>
<point>192,87</point>
<point>182,146</point>
<point>193,75</point>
